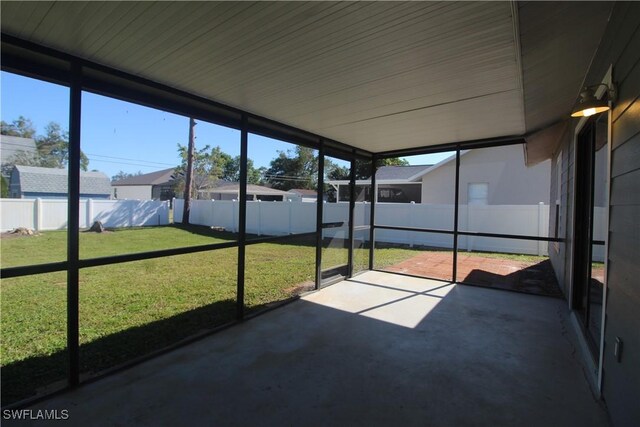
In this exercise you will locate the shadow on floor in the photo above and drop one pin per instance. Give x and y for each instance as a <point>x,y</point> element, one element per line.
<point>477,357</point>
<point>537,279</point>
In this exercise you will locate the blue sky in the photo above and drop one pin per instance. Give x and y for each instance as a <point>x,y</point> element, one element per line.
<point>117,135</point>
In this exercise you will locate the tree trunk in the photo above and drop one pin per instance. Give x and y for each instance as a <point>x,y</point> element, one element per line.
<point>189,178</point>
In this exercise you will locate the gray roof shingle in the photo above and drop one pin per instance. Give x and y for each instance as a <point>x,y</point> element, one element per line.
<point>399,172</point>
<point>153,178</point>
<point>50,180</point>
<point>233,187</point>
<point>12,145</point>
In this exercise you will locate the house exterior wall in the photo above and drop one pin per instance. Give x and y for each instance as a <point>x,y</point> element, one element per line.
<point>503,168</point>
<point>163,192</point>
<point>133,192</point>
<point>619,48</point>
<point>218,196</point>
<point>387,193</point>
<point>621,378</point>
<point>15,191</point>
<point>36,195</point>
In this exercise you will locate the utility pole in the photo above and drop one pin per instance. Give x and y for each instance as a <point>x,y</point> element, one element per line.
<point>189,178</point>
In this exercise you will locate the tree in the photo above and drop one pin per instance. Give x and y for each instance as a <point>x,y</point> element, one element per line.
<point>23,158</point>
<point>52,147</point>
<point>21,127</point>
<point>363,169</point>
<point>297,168</point>
<point>4,187</point>
<point>122,175</point>
<point>232,171</point>
<point>208,168</point>
<point>335,172</point>
<point>220,162</point>
<point>191,148</point>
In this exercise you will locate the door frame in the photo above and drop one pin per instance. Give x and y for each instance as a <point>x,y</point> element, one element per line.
<point>345,270</point>
<point>608,80</point>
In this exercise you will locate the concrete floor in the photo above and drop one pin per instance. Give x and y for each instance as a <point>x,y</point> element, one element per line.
<point>380,349</point>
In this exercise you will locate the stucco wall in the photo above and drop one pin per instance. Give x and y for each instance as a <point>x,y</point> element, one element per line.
<point>510,181</point>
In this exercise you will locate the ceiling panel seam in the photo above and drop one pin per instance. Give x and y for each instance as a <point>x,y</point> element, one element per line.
<point>515,17</point>
<point>424,108</point>
<point>247,64</point>
<point>351,44</point>
<point>44,16</point>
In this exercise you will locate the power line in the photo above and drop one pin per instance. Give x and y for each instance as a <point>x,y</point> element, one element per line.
<point>29,148</point>
<point>122,163</point>
<point>125,158</point>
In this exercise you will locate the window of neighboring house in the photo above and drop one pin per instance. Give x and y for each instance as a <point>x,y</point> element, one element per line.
<point>478,193</point>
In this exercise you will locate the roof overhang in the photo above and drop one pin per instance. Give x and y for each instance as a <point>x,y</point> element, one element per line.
<point>378,76</point>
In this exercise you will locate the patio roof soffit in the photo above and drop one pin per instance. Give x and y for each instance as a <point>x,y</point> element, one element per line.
<point>379,76</point>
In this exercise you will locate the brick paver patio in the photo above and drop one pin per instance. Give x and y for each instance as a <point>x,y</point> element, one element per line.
<point>530,277</point>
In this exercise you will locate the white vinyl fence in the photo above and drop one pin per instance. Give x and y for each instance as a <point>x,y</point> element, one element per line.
<point>270,218</point>
<point>51,214</point>
<point>525,220</point>
<point>280,218</point>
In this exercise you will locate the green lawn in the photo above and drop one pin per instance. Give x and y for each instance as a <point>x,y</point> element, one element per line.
<point>130,309</point>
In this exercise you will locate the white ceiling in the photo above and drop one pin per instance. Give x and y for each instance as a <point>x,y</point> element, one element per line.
<point>375,75</point>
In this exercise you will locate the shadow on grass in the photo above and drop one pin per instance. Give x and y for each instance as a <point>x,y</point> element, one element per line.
<point>203,230</point>
<point>43,374</point>
<point>206,231</point>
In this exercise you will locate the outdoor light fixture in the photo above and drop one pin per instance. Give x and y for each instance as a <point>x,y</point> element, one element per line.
<point>589,104</point>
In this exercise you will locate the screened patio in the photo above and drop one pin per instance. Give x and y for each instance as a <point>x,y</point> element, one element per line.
<point>345,310</point>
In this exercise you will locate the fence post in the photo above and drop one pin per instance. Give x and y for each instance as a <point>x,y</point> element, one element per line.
<point>233,215</point>
<point>470,239</point>
<point>131,203</point>
<point>89,212</point>
<point>173,210</point>
<point>540,228</point>
<point>412,214</point>
<point>259,217</point>
<point>290,219</point>
<point>37,214</point>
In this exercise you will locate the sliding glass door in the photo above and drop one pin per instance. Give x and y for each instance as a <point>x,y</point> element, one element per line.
<point>591,228</point>
<point>336,218</point>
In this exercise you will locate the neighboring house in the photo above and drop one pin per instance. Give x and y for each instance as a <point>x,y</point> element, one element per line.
<point>30,182</point>
<point>305,195</point>
<point>149,186</point>
<point>225,190</point>
<point>13,149</point>
<point>396,184</point>
<point>488,176</point>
